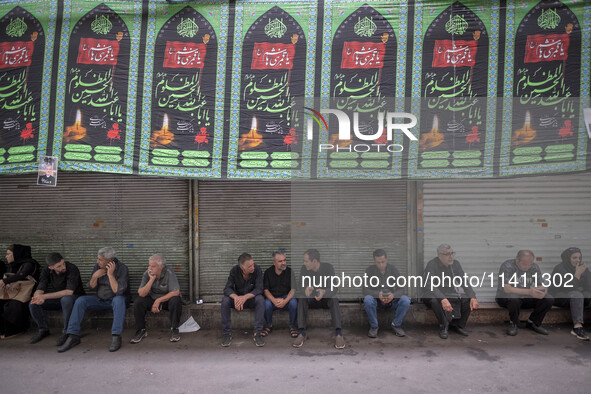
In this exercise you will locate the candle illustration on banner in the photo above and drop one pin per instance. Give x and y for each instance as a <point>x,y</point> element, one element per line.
<point>433,138</point>
<point>76,131</point>
<point>524,134</point>
<point>252,139</point>
<point>162,136</point>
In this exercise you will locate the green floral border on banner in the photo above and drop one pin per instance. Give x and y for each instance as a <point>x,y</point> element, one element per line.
<point>37,9</point>
<point>216,12</point>
<point>131,13</point>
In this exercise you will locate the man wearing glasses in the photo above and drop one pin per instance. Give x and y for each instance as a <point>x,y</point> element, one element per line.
<point>451,304</point>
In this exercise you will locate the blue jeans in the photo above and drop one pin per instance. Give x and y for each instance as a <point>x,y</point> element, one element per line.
<point>93,303</point>
<point>292,307</point>
<point>400,305</point>
<point>257,303</point>
<point>65,303</point>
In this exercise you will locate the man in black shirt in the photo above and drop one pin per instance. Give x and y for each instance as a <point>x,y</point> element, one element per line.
<point>386,295</point>
<point>316,294</point>
<point>279,289</point>
<point>451,304</point>
<point>46,177</point>
<point>59,286</point>
<point>520,286</point>
<point>244,289</point>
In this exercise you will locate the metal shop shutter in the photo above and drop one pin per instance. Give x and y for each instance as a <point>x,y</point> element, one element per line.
<point>136,216</point>
<point>345,221</point>
<point>488,221</point>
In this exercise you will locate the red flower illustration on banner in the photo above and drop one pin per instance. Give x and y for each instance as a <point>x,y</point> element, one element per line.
<point>290,139</point>
<point>566,131</point>
<point>114,133</point>
<point>383,139</point>
<point>474,136</point>
<point>27,132</point>
<point>201,138</point>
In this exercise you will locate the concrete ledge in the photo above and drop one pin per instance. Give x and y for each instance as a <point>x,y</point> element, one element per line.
<point>208,316</point>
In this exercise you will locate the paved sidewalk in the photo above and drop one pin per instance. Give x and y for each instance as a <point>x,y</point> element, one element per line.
<point>486,361</point>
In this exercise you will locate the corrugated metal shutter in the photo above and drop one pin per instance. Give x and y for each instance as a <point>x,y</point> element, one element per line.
<point>345,221</point>
<point>136,216</point>
<point>488,221</point>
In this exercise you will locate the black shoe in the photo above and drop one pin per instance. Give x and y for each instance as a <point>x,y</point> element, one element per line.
<point>258,339</point>
<point>62,339</point>
<point>459,330</point>
<point>175,336</point>
<point>512,329</point>
<point>71,341</point>
<point>398,331</point>
<point>536,328</point>
<point>139,335</point>
<point>443,331</point>
<point>115,343</point>
<point>580,333</point>
<point>226,340</point>
<point>39,336</point>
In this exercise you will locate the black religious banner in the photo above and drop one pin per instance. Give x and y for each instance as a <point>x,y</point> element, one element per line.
<point>95,113</point>
<point>273,75</point>
<point>363,77</point>
<point>455,82</point>
<point>22,49</point>
<point>546,89</point>
<point>183,95</point>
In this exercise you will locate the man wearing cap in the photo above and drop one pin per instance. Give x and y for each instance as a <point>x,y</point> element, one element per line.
<point>158,290</point>
<point>59,286</point>
<point>451,304</point>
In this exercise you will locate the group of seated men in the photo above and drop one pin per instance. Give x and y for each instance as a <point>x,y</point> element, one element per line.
<point>60,287</point>
<point>247,287</point>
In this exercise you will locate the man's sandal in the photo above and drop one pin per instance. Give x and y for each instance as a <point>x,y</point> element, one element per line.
<point>293,332</point>
<point>266,331</point>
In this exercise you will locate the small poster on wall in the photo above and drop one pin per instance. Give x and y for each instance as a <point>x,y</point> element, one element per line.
<point>47,175</point>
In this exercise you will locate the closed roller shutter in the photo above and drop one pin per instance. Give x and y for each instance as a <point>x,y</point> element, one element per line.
<point>488,221</point>
<point>345,221</point>
<point>136,216</point>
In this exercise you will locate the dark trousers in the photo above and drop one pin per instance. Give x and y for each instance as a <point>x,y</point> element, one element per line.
<point>14,317</point>
<point>142,305</point>
<point>257,303</point>
<point>326,303</point>
<point>540,306</point>
<point>65,303</point>
<point>576,300</point>
<point>435,305</point>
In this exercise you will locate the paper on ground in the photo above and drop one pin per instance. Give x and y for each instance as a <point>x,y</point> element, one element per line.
<point>189,326</point>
